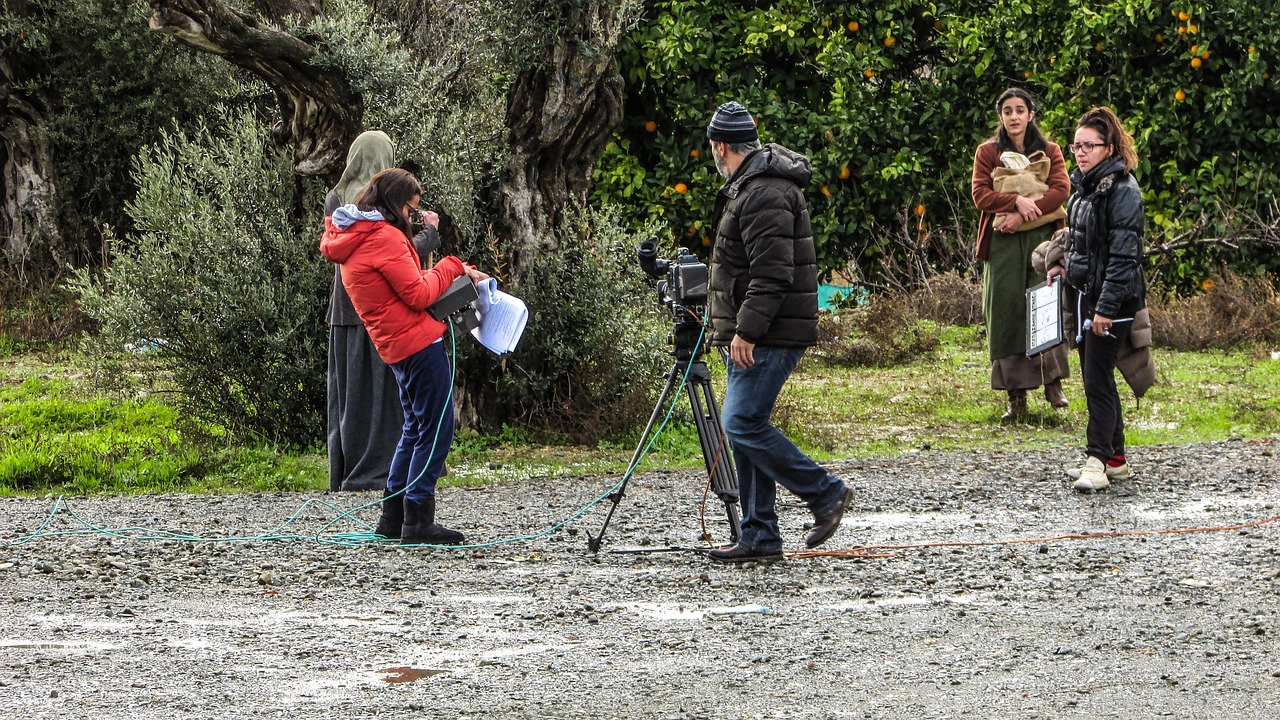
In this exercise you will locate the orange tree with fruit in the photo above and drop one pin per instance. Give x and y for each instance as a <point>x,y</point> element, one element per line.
<point>889,100</point>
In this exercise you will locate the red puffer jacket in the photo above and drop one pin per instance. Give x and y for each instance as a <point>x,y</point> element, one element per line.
<point>381,272</point>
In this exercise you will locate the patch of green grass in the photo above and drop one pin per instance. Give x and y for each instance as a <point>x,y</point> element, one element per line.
<point>59,433</point>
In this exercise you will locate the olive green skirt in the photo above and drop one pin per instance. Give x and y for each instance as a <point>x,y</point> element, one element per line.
<point>1006,276</point>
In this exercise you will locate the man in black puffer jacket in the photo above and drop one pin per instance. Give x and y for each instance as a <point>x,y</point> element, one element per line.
<point>764,308</point>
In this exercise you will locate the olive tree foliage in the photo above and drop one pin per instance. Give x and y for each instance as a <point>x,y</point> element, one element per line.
<point>506,107</point>
<point>220,285</point>
<point>83,86</point>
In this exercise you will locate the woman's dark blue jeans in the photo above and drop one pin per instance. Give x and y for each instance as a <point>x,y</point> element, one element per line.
<point>425,386</point>
<point>764,456</point>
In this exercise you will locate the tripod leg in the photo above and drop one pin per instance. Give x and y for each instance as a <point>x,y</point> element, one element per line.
<point>593,543</point>
<point>715,448</point>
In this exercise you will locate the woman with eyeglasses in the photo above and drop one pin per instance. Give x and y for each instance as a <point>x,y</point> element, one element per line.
<point>381,271</point>
<point>1010,227</point>
<point>1103,256</point>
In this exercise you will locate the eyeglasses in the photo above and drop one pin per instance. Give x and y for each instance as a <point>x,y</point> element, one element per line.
<point>1083,148</point>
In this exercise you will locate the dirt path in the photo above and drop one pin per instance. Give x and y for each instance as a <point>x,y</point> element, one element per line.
<point>1184,626</point>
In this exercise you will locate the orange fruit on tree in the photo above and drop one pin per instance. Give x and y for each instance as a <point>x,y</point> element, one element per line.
<point>694,153</point>
<point>853,27</point>
<point>869,73</point>
<point>826,22</point>
<point>1026,74</point>
<point>920,210</point>
<point>1180,96</point>
<point>681,188</point>
<point>844,173</point>
<point>1266,76</point>
<point>1195,49</point>
<point>829,135</point>
<point>1182,30</point>
<point>1159,37</point>
<point>1204,55</point>
<point>1196,63</point>
<point>1253,50</point>
<point>1098,47</point>
<point>651,126</point>
<point>706,241</point>
<point>1184,16</point>
<point>937,25</point>
<point>826,191</point>
<point>1174,12</point>
<point>1193,29</point>
<point>889,41</point>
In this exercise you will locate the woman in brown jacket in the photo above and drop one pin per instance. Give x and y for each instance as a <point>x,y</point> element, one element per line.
<point>1011,225</point>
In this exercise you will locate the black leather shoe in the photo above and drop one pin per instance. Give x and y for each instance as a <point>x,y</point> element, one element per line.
<point>827,520</point>
<point>739,554</point>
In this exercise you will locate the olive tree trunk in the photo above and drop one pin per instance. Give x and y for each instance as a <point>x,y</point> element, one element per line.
<point>560,114</point>
<point>320,113</point>
<point>28,185</point>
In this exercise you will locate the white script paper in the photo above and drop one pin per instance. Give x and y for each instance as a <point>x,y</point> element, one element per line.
<point>1044,317</point>
<point>502,318</point>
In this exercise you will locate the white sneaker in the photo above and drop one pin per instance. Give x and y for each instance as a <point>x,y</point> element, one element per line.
<point>1117,472</point>
<point>1093,476</point>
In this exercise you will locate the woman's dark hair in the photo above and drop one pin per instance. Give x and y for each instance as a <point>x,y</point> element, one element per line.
<point>1103,121</point>
<point>1033,140</point>
<point>387,192</point>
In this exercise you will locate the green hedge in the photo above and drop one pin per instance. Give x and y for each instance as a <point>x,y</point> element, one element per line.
<point>890,99</point>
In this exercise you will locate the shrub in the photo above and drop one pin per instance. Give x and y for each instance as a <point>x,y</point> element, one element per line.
<point>222,285</point>
<point>949,299</point>
<point>110,86</point>
<point>1231,311</point>
<point>887,331</point>
<point>589,363</point>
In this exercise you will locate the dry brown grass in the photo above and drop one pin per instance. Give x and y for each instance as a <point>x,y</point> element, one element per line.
<point>949,299</point>
<point>886,331</point>
<point>1233,310</point>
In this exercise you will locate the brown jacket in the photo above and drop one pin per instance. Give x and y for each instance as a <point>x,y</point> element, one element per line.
<point>1134,360</point>
<point>990,202</point>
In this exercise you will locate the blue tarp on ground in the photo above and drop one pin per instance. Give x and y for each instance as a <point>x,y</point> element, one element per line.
<point>827,294</point>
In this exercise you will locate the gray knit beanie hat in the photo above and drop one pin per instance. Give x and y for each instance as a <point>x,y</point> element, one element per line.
<point>732,124</point>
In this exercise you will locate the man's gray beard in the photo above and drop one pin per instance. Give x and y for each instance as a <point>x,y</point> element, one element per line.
<point>721,167</point>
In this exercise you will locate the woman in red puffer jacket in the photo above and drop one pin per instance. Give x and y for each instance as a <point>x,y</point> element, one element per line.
<point>382,274</point>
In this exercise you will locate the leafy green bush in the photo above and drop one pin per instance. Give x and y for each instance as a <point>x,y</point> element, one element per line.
<point>220,285</point>
<point>586,367</point>
<point>111,87</point>
<point>890,99</point>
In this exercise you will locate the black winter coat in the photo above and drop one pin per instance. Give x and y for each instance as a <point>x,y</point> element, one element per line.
<point>764,277</point>
<point>1104,251</point>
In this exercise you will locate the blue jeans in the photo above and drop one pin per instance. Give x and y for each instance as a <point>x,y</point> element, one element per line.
<point>425,385</point>
<point>764,456</point>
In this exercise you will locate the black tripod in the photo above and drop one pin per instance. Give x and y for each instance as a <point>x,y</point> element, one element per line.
<point>688,350</point>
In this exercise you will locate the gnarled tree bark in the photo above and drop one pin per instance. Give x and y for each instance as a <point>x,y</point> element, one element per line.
<point>321,113</point>
<point>560,114</point>
<point>28,185</point>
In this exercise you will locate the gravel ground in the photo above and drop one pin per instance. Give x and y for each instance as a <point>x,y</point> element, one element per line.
<point>1174,625</point>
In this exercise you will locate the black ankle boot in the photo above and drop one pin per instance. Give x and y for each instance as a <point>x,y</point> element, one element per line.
<point>392,515</point>
<point>420,526</point>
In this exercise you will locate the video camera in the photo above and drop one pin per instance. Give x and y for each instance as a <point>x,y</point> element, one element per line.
<point>682,288</point>
<point>685,284</point>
